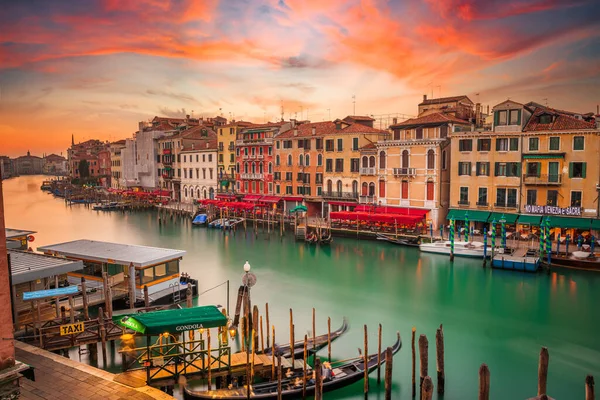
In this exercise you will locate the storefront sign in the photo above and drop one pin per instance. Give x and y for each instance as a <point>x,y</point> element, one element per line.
<point>550,210</point>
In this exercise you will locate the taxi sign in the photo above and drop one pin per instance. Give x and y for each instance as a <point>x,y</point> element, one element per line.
<point>71,329</point>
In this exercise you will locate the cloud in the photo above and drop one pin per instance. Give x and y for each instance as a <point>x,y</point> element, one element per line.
<point>176,96</point>
<point>177,113</point>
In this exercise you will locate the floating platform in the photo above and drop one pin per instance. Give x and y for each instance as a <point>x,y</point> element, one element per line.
<point>524,263</point>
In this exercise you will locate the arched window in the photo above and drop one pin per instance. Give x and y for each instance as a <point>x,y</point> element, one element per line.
<point>382,160</point>
<point>270,168</point>
<point>355,187</point>
<point>253,168</point>
<point>301,160</point>
<point>245,168</point>
<point>205,192</point>
<point>405,159</point>
<point>329,186</point>
<point>430,190</point>
<point>364,189</point>
<point>237,169</point>
<point>198,193</point>
<point>289,160</point>
<point>319,159</point>
<point>185,192</point>
<point>260,168</point>
<point>404,190</point>
<point>430,159</point>
<point>307,160</point>
<point>211,193</point>
<point>365,162</point>
<point>339,187</point>
<point>372,162</point>
<point>277,159</point>
<point>372,189</point>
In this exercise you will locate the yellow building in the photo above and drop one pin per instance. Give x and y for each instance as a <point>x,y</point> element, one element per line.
<point>116,167</point>
<point>226,136</point>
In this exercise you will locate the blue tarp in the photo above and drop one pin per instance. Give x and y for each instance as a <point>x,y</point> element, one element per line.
<point>42,294</point>
<point>200,219</point>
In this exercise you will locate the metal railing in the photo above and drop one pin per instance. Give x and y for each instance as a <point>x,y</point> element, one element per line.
<point>368,171</point>
<point>252,176</point>
<point>340,195</point>
<point>546,179</point>
<point>254,141</point>
<point>482,203</point>
<point>405,171</point>
<point>463,203</point>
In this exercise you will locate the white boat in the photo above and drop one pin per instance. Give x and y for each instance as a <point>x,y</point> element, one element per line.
<point>461,249</point>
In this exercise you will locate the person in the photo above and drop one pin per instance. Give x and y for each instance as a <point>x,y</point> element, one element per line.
<point>289,373</point>
<point>297,382</point>
<point>313,378</point>
<point>327,372</point>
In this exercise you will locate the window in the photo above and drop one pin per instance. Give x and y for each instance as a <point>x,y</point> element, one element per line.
<point>289,160</point>
<point>577,170</point>
<point>371,189</point>
<point>382,160</point>
<point>301,159</point>
<point>277,189</point>
<point>329,145</point>
<point>339,165</point>
<point>221,158</point>
<point>545,119</point>
<point>502,144</point>
<point>329,165</point>
<point>430,190</point>
<point>465,145</point>
<point>288,176</point>
<point>287,144</point>
<point>443,131</point>
<point>552,198</point>
<point>355,143</point>
<point>307,144</point>
<point>372,162</point>
<point>578,143</point>
<point>405,163</point>
<point>430,159</point>
<point>515,117</point>
<point>483,169</point>
<point>329,186</point>
<point>501,117</point>
<point>300,177</point>
<point>319,160</point>
<point>484,144</point>
<point>319,178</point>
<point>419,133</point>
<point>184,159</point>
<point>464,196</point>
<point>531,197</point>
<point>404,191</point>
<point>307,160</point>
<point>554,143</point>
<point>534,144</point>
<point>464,168</point>
<point>507,169</point>
<point>575,199</point>
<point>482,197</point>
<point>506,197</point>
<point>231,158</point>
<point>533,169</point>
<point>185,175</point>
<point>301,143</point>
<point>340,144</point>
<point>210,158</point>
<point>289,190</point>
<point>277,176</point>
<point>355,187</point>
<point>277,146</point>
<point>319,144</point>
<point>210,170</point>
<point>444,160</point>
<point>339,186</point>
<point>277,160</point>
<point>354,164</point>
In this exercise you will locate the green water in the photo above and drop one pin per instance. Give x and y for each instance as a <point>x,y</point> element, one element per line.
<point>500,318</point>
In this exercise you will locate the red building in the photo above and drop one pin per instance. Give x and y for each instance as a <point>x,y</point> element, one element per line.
<point>254,157</point>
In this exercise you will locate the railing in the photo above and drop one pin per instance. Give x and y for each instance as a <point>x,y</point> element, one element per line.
<point>254,141</point>
<point>367,171</point>
<point>252,176</point>
<point>166,176</point>
<point>260,156</point>
<point>341,195</point>
<point>506,205</point>
<point>404,171</point>
<point>366,199</point>
<point>231,147</point>
<point>167,161</point>
<point>553,179</point>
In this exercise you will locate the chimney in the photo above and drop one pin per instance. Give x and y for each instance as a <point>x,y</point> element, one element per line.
<point>488,110</point>
<point>295,131</point>
<point>424,97</point>
<point>207,145</point>
<point>187,117</point>
<point>314,130</point>
<point>478,114</point>
<point>192,146</point>
<point>394,121</point>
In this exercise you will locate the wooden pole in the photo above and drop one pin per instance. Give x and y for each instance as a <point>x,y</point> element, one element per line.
<point>56,303</point>
<point>262,337</point>
<point>439,345</point>
<point>71,309</point>
<point>253,353</point>
<point>304,367</point>
<point>423,359</point>
<point>292,337</point>
<point>84,297</point>
<point>389,356</point>
<point>63,314</point>
<point>102,334</point>
<point>279,394</point>
<point>243,333</point>
<point>268,326</point>
<point>589,388</point>
<point>189,301</point>
<point>379,355</point>
<point>484,382</point>
<point>314,332</point>
<point>273,356</point>
<point>414,362</point>
<point>427,390</point>
<point>543,371</point>
<point>254,327</point>
<point>329,339</point>
<point>38,323</point>
<point>209,366</point>
<point>146,297</point>
<point>105,291</point>
<point>110,303</point>
<point>318,380</point>
<point>366,358</point>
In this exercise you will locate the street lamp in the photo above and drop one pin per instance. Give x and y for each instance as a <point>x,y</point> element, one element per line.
<point>247,267</point>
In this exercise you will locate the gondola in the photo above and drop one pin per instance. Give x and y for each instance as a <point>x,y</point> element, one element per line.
<point>319,343</point>
<point>327,239</point>
<point>400,241</point>
<point>345,374</point>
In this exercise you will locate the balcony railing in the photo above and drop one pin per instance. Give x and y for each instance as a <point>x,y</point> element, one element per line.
<point>260,156</point>
<point>341,195</point>
<point>167,176</point>
<point>367,171</point>
<point>231,147</point>
<point>245,142</point>
<point>252,176</point>
<point>366,199</point>
<point>553,179</point>
<point>405,171</point>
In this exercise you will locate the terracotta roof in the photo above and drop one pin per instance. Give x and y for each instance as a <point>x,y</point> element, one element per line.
<point>201,145</point>
<point>369,146</point>
<point>329,128</point>
<point>430,119</point>
<point>440,100</point>
<point>238,123</point>
<point>161,126</point>
<point>560,121</point>
<point>359,118</point>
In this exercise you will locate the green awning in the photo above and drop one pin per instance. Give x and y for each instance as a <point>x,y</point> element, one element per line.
<point>173,321</point>
<point>570,222</point>
<point>530,219</point>
<point>508,217</point>
<point>474,215</point>
<point>544,156</point>
<point>224,183</point>
<point>595,223</point>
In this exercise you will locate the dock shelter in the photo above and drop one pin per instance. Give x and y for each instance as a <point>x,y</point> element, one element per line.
<point>18,238</point>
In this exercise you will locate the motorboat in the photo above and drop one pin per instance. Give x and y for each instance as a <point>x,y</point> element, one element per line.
<point>461,249</point>
<point>200,219</point>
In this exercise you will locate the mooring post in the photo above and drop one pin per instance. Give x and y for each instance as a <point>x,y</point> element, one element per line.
<point>146,297</point>
<point>427,390</point>
<point>292,337</point>
<point>267,321</point>
<point>243,332</point>
<point>105,291</point>
<point>71,309</point>
<point>423,360</point>
<point>318,380</point>
<point>314,332</point>
<point>189,300</point>
<point>56,303</point>
<point>379,355</point>
<point>329,339</point>
<point>304,367</point>
<point>543,371</point>
<point>366,361</point>
<point>389,356</point>
<point>102,334</point>
<point>273,356</point>
<point>254,326</point>
<point>279,392</point>
<point>63,314</point>
<point>84,297</point>
<point>414,362</point>
<point>484,382</point>
<point>209,366</point>
<point>439,345</point>
<point>589,388</point>
<point>262,337</point>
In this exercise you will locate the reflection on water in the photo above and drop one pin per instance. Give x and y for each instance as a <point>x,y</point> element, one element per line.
<point>497,317</point>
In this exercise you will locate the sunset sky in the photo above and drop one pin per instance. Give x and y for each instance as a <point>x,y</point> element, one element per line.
<point>96,68</point>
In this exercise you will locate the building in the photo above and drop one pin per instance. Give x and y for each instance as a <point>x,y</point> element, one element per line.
<point>6,169</point>
<point>254,157</point>
<point>55,165</point>
<point>460,107</point>
<point>319,162</point>
<point>199,168</point>
<point>116,169</point>
<point>227,135</point>
<point>81,151</point>
<point>28,165</point>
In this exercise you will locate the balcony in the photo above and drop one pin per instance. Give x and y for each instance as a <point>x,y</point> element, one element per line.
<point>260,156</point>
<point>167,160</point>
<point>366,199</point>
<point>463,203</point>
<point>166,151</point>
<point>167,176</point>
<point>252,176</point>
<point>340,195</point>
<point>405,172</point>
<point>367,171</point>
<point>554,179</point>
<point>252,142</point>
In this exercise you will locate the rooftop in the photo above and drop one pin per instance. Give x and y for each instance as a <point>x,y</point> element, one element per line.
<point>360,118</point>
<point>15,233</point>
<point>441,100</point>
<point>329,128</point>
<point>560,121</point>
<point>114,253</point>
<point>27,266</point>
<point>430,119</point>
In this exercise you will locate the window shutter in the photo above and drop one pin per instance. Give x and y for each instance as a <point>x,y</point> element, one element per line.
<point>518,169</point>
<point>539,169</point>
<point>519,117</point>
<point>496,165</point>
<point>570,170</point>
<point>583,169</point>
<point>496,118</point>
<point>469,168</point>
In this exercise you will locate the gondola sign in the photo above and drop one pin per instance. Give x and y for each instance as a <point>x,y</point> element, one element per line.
<point>71,329</point>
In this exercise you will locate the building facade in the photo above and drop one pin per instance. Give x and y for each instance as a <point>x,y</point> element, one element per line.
<point>28,165</point>
<point>199,168</point>
<point>55,165</point>
<point>116,169</point>
<point>227,135</point>
<point>6,169</point>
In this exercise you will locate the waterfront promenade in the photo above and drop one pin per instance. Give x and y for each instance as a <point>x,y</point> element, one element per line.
<point>57,377</point>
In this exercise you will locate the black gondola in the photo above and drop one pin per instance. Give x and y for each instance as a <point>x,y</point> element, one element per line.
<point>345,374</point>
<point>319,343</point>
<point>412,242</point>
<point>326,239</point>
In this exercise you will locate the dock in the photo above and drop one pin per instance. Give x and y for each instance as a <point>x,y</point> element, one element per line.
<point>520,259</point>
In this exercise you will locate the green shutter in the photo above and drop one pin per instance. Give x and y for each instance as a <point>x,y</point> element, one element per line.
<point>539,169</point>
<point>497,144</point>
<point>570,170</point>
<point>583,169</point>
<point>519,117</point>
<point>469,168</point>
<point>495,118</point>
<point>496,166</point>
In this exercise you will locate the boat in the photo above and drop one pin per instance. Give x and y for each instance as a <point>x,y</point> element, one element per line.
<point>403,241</point>
<point>200,219</point>
<point>344,374</point>
<point>326,239</point>
<point>46,186</point>
<point>319,342</point>
<point>311,238</point>
<point>530,262</point>
<point>582,260</point>
<point>461,249</point>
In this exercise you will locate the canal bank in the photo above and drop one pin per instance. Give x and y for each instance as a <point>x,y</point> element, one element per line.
<point>497,317</point>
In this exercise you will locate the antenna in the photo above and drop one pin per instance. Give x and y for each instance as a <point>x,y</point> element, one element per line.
<point>282,110</point>
<point>353,104</point>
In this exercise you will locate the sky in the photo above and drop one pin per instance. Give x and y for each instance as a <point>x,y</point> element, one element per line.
<point>95,68</point>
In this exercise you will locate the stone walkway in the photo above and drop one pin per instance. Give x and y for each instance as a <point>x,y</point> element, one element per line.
<point>59,378</point>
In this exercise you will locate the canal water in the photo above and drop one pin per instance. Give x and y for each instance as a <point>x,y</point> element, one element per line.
<point>500,318</point>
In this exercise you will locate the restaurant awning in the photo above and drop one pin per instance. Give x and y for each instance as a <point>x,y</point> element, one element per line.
<point>595,223</point>
<point>225,195</point>
<point>508,218</point>
<point>543,156</point>
<point>473,215</point>
<point>530,219</point>
<point>270,199</point>
<point>173,321</point>
<point>252,197</point>
<point>570,222</point>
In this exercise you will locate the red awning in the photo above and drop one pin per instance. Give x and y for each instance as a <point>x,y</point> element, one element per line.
<point>252,197</point>
<point>342,203</point>
<point>376,217</point>
<point>226,195</point>
<point>292,198</point>
<point>270,199</point>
